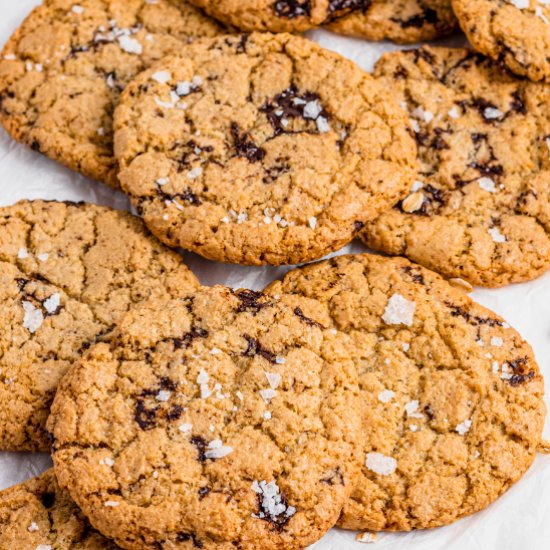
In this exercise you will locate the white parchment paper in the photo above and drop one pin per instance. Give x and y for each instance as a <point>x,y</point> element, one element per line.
<point>519,520</point>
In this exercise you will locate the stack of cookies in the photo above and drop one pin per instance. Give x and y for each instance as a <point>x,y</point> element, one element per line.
<point>364,391</point>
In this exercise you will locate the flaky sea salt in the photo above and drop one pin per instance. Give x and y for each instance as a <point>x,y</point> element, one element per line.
<point>217,450</point>
<point>487,184</point>
<point>130,45</point>
<point>33,318</point>
<point>386,396</point>
<point>162,77</point>
<point>496,235</point>
<point>399,311</point>
<point>464,427</point>
<point>274,379</point>
<point>381,464</point>
<point>52,304</point>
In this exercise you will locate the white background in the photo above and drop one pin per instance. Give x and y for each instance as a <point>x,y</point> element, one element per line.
<point>519,520</point>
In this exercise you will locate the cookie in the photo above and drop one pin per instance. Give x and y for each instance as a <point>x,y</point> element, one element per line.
<point>39,515</point>
<point>515,33</point>
<point>260,149</point>
<point>220,420</point>
<point>67,273</point>
<point>403,21</point>
<point>62,72</point>
<point>451,396</point>
<point>483,187</point>
<point>278,15</point>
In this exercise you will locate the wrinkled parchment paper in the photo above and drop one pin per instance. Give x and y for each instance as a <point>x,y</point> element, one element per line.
<point>519,520</point>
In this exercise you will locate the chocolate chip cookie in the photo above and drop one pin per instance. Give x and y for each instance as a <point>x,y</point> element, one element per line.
<point>62,72</point>
<point>515,33</point>
<point>403,21</point>
<point>39,515</point>
<point>451,396</point>
<point>261,149</point>
<point>278,15</point>
<point>67,272</point>
<point>483,188</point>
<point>223,419</point>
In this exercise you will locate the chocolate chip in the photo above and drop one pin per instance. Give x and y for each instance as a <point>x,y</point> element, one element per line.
<point>187,196</point>
<point>48,500</point>
<point>201,445</point>
<point>287,105</point>
<point>414,275</point>
<point>311,322</point>
<point>458,311</point>
<point>339,5</point>
<point>418,20</point>
<point>244,146</point>
<point>290,9</point>
<point>145,417</point>
<point>184,537</point>
<point>251,301</point>
<point>203,492</point>
<point>254,348</point>
<point>187,338</point>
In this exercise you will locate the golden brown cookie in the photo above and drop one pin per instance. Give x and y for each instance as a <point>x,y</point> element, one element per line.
<point>261,149</point>
<point>480,209</point>
<point>220,420</point>
<point>278,15</point>
<point>38,515</point>
<point>67,273</point>
<point>62,71</point>
<point>452,397</point>
<point>403,21</point>
<point>516,33</point>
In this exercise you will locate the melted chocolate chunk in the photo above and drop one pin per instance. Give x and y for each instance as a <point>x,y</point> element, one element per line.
<point>192,154</point>
<point>291,9</point>
<point>184,537</point>
<point>201,445</point>
<point>358,226</point>
<point>244,146</point>
<point>48,500</point>
<point>254,348</point>
<point>418,20</point>
<point>250,301</point>
<point>521,373</point>
<point>414,275</point>
<point>287,105</point>
<point>347,6</point>
<point>311,322</point>
<point>203,492</point>
<point>457,311</point>
<point>145,416</point>
<point>434,199</point>
<point>273,173</point>
<point>186,339</point>
<point>187,196</point>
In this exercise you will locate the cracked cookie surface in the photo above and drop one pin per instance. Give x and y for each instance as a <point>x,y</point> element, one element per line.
<point>62,71</point>
<point>516,33</point>
<point>452,397</point>
<point>402,21</point>
<point>67,273</point>
<point>484,178</point>
<point>38,515</point>
<point>278,15</point>
<point>220,420</point>
<point>260,149</point>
